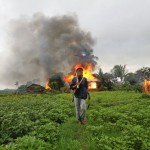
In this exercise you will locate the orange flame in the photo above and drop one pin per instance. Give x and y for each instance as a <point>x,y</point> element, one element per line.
<point>92,85</point>
<point>47,87</point>
<point>146,85</point>
<point>86,72</point>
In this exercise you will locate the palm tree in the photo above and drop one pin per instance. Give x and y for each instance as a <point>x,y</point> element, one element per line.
<point>119,71</point>
<point>105,79</point>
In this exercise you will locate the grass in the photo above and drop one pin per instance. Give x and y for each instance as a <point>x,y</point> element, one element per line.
<point>110,117</point>
<point>117,120</point>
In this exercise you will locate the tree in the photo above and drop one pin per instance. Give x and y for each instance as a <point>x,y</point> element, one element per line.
<point>105,80</point>
<point>119,71</point>
<point>56,81</point>
<point>131,78</point>
<point>143,73</point>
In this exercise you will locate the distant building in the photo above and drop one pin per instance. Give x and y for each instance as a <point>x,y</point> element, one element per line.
<point>35,88</point>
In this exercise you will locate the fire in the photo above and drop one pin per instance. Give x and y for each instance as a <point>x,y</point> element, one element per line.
<point>86,72</point>
<point>92,85</point>
<point>146,86</point>
<point>68,78</point>
<point>47,87</point>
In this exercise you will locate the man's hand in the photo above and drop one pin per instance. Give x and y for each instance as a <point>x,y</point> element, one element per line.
<point>77,84</point>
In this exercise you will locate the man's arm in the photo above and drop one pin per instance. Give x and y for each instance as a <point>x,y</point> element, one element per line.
<point>86,85</point>
<point>73,84</point>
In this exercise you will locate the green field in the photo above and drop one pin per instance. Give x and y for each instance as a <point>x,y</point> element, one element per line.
<point>116,120</point>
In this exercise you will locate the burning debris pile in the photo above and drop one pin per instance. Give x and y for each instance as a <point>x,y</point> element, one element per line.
<point>42,46</point>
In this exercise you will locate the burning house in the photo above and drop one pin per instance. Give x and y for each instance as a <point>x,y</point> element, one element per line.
<point>93,83</point>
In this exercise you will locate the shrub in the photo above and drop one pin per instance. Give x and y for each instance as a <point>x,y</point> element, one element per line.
<point>28,142</point>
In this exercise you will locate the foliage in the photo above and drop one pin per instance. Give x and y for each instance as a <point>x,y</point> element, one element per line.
<point>7,91</point>
<point>131,78</point>
<point>105,80</point>
<point>121,121</point>
<point>145,96</point>
<point>129,87</point>
<point>28,142</point>
<point>143,73</point>
<point>56,81</point>
<point>116,120</point>
<point>35,115</point>
<point>119,71</point>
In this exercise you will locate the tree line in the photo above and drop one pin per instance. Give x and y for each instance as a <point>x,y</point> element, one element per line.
<point>120,78</point>
<point>117,79</point>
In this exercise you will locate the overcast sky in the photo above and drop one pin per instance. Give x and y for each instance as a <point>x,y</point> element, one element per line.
<point>121,27</point>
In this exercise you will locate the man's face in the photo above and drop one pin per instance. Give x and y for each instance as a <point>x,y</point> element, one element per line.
<point>80,72</point>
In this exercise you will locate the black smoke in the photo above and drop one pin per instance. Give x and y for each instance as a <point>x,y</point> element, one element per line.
<point>42,46</point>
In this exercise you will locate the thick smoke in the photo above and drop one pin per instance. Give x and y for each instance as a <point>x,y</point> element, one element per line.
<point>41,46</point>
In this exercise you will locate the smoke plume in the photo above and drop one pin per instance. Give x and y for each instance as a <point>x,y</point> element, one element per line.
<point>42,46</point>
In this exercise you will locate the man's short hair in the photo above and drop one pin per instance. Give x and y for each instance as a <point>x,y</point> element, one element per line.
<point>79,69</point>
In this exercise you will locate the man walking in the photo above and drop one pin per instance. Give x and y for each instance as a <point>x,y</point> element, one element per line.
<point>80,85</point>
